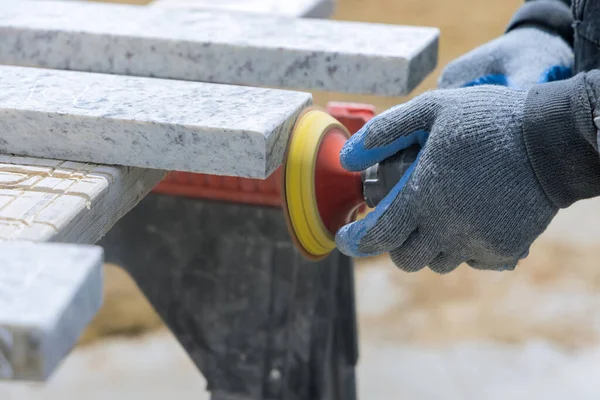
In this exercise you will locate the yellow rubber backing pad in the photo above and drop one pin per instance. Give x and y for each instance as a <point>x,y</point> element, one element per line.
<point>299,202</point>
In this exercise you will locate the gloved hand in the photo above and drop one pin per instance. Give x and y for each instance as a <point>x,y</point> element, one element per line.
<point>520,58</point>
<point>471,195</point>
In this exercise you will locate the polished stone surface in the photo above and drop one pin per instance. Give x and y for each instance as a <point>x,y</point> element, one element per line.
<point>222,47</point>
<point>45,200</point>
<point>288,8</point>
<point>144,122</point>
<point>48,295</point>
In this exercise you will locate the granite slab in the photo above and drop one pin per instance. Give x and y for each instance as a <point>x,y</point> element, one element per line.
<point>287,8</point>
<point>48,294</point>
<point>44,200</point>
<point>144,122</point>
<point>219,47</point>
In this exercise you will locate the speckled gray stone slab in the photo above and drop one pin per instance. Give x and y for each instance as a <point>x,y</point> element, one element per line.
<point>48,294</point>
<point>287,8</point>
<point>43,200</point>
<point>202,45</point>
<point>144,122</point>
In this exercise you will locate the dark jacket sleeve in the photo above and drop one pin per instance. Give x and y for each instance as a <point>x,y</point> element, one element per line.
<point>552,15</point>
<point>561,134</point>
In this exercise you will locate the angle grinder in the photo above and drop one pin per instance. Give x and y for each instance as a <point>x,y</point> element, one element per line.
<point>319,196</point>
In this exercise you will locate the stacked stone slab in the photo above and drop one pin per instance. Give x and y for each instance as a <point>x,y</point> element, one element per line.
<point>289,8</point>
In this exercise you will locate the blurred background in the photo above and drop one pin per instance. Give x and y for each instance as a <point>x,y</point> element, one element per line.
<point>531,333</point>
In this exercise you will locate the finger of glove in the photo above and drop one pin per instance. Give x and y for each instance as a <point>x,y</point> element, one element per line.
<point>507,265</point>
<point>492,79</point>
<point>499,263</point>
<point>556,73</point>
<point>390,132</point>
<point>444,263</point>
<point>470,68</point>
<point>383,229</point>
<point>525,254</point>
<point>414,255</point>
<point>523,78</point>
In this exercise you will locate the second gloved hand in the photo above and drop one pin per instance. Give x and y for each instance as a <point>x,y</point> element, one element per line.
<point>520,58</point>
<point>471,196</point>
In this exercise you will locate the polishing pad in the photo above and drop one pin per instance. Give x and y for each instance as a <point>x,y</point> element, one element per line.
<point>318,195</point>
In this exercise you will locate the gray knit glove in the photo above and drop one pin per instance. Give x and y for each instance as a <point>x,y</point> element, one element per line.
<point>519,59</point>
<point>471,195</point>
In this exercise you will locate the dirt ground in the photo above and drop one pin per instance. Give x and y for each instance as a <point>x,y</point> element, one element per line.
<point>538,300</point>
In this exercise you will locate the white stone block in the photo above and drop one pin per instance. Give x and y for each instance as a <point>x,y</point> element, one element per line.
<point>221,47</point>
<point>62,201</point>
<point>286,8</point>
<point>144,122</point>
<point>48,294</point>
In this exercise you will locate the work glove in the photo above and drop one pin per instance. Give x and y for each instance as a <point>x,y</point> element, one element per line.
<point>520,58</point>
<point>470,196</point>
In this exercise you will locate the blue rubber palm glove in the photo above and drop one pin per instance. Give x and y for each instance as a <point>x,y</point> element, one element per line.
<point>520,58</point>
<point>471,196</point>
